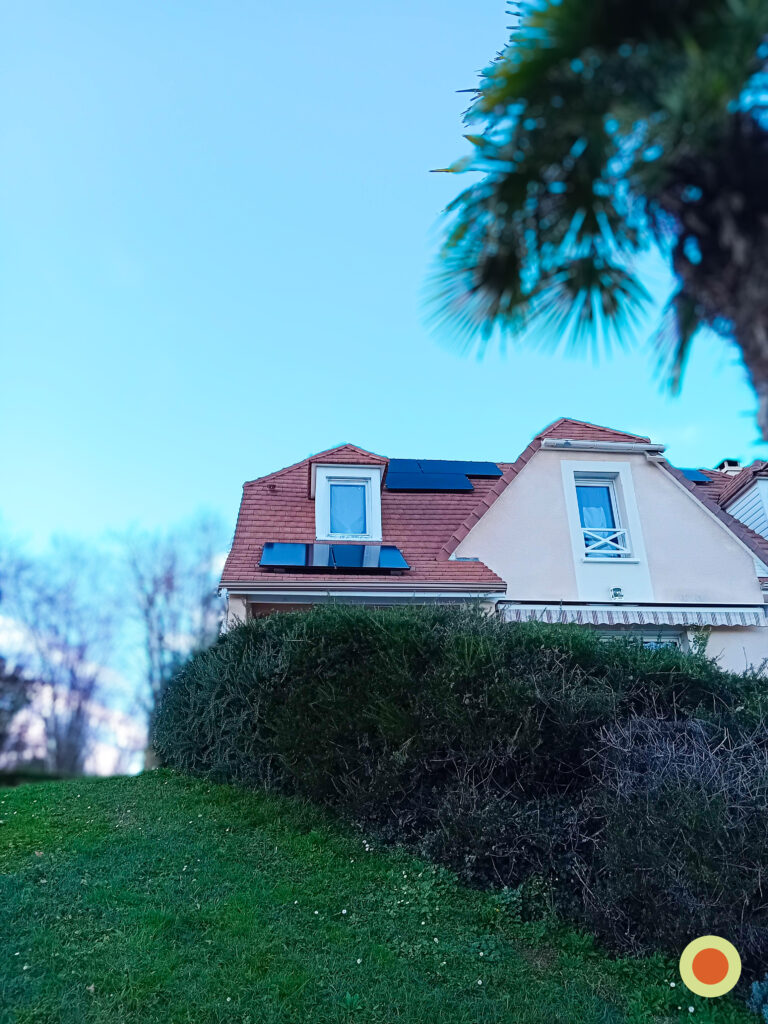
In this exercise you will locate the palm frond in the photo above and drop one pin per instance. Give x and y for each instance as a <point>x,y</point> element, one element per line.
<point>674,338</point>
<point>590,120</point>
<point>588,303</point>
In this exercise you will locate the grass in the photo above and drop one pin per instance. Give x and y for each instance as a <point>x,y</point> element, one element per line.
<point>163,899</point>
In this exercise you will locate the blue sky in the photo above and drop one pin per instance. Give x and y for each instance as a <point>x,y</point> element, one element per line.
<point>216,225</point>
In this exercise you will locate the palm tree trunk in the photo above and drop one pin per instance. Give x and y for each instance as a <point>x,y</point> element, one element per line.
<point>752,339</point>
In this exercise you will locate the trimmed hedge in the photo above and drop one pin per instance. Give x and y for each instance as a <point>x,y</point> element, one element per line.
<point>628,786</point>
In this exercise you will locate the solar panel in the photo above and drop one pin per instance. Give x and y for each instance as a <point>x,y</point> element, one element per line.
<point>482,469</point>
<point>333,557</point>
<point>391,557</point>
<point>319,556</point>
<point>428,482</point>
<point>284,554</point>
<point>696,476</point>
<point>349,556</point>
<point>436,474</point>
<point>404,466</point>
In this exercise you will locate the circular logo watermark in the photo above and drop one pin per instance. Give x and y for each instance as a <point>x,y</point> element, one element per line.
<point>710,966</point>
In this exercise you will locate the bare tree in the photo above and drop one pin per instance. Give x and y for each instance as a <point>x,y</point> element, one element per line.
<point>67,634</point>
<point>15,694</point>
<point>16,688</point>
<point>174,599</point>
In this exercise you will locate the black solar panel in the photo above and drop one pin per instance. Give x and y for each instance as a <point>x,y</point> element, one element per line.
<point>436,474</point>
<point>349,556</point>
<point>284,554</point>
<point>482,469</point>
<point>319,556</point>
<point>428,482</point>
<point>404,466</point>
<point>695,475</point>
<point>333,557</point>
<point>391,557</point>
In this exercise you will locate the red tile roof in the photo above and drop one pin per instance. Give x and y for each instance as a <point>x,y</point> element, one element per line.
<point>427,527</point>
<point>278,507</point>
<point>580,430</point>
<point>717,482</point>
<point>737,482</point>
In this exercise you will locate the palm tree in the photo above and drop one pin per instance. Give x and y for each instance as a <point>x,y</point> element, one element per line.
<point>608,127</point>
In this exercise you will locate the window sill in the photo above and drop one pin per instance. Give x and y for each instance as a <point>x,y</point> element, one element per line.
<point>611,561</point>
<point>361,538</point>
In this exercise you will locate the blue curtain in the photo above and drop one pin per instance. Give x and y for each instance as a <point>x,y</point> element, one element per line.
<point>595,507</point>
<point>348,508</point>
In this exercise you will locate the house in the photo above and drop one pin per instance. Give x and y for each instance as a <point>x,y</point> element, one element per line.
<point>588,525</point>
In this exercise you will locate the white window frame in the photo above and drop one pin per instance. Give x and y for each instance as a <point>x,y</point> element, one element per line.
<point>620,474</point>
<point>370,477</point>
<point>661,636</point>
<point>609,481</point>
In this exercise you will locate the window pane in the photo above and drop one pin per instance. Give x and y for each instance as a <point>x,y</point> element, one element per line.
<point>348,508</point>
<point>595,507</point>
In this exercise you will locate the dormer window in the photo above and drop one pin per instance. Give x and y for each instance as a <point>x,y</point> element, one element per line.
<point>347,502</point>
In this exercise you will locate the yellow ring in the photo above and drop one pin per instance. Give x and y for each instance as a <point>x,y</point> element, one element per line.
<point>731,954</point>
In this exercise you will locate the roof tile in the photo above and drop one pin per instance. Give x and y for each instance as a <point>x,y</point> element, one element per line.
<point>580,430</point>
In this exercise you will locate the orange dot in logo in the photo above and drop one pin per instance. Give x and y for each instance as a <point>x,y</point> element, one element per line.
<point>710,966</point>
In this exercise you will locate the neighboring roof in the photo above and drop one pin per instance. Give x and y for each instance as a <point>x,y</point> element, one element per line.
<point>717,483</point>
<point>278,507</point>
<point>737,482</point>
<point>722,489</point>
<point>580,430</point>
<point>756,543</point>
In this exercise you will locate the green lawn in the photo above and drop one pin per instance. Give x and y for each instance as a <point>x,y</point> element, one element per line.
<point>160,899</point>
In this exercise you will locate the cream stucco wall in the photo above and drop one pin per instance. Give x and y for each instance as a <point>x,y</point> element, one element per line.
<point>524,535</point>
<point>739,649</point>
<point>691,556</point>
<point>686,555</point>
<point>237,611</point>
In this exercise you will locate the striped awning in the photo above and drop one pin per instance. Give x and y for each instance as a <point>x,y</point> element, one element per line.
<point>636,615</point>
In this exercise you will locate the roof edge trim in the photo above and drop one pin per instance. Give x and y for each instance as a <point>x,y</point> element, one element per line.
<point>601,446</point>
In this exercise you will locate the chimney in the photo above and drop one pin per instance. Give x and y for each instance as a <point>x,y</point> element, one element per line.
<point>729,466</point>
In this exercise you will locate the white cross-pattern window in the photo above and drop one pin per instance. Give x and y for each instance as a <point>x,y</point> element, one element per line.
<point>601,528</point>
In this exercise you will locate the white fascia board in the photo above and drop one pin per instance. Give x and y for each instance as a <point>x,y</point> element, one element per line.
<point>402,596</point>
<point>250,590</point>
<point>601,446</point>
